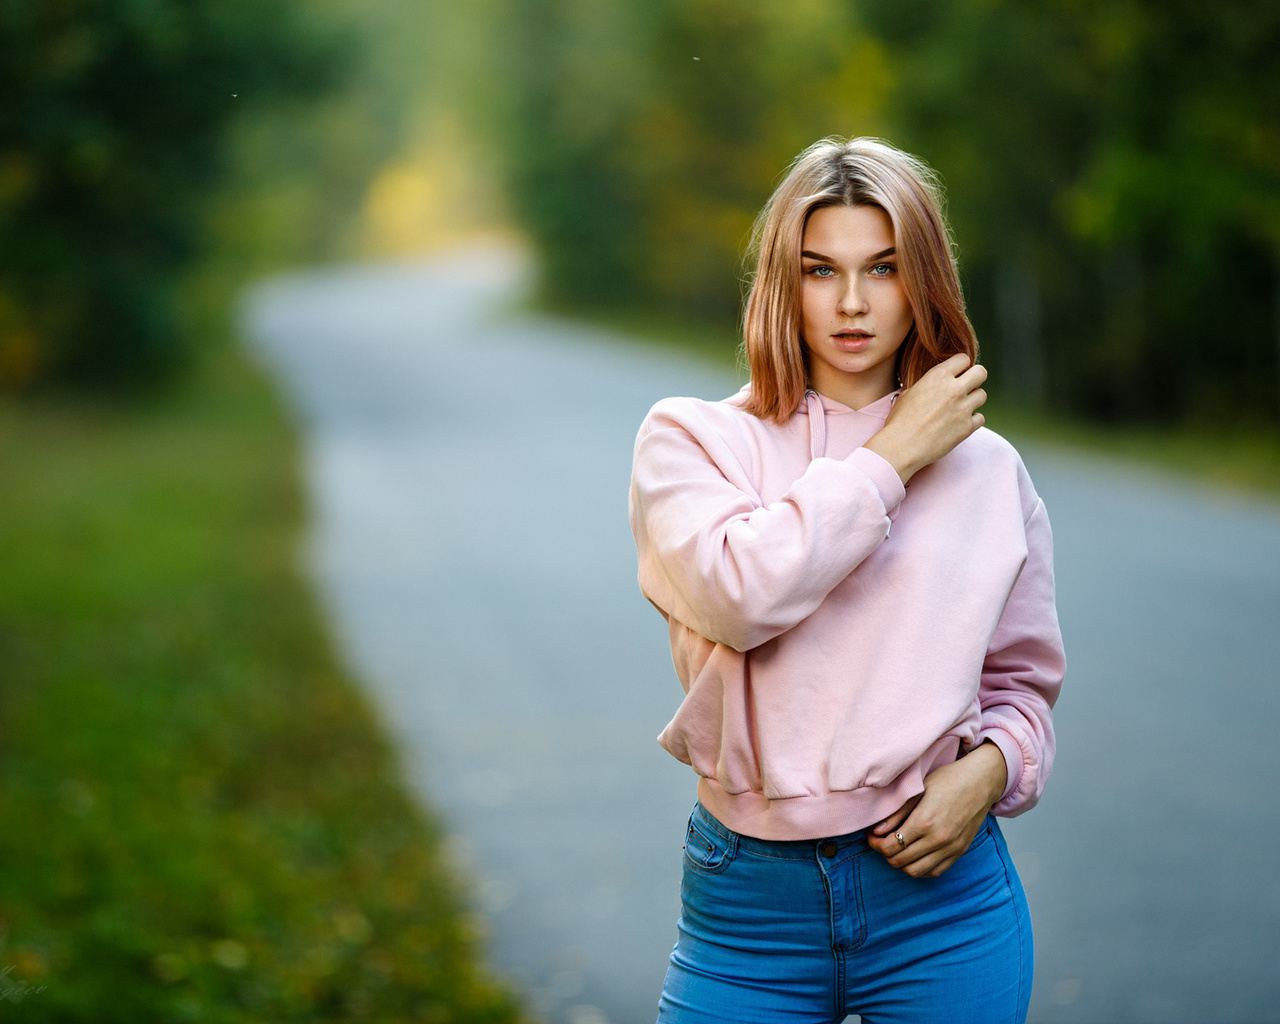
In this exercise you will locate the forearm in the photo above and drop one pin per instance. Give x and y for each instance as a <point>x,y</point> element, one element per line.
<point>985,773</point>
<point>739,572</point>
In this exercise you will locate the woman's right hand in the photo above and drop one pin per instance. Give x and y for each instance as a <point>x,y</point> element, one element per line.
<point>932,416</point>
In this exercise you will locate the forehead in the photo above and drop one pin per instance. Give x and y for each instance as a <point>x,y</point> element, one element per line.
<point>849,232</point>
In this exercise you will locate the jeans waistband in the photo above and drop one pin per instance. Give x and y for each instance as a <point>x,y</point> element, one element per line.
<point>790,849</point>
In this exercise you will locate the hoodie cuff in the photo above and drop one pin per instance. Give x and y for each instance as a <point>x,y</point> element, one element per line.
<point>883,475</point>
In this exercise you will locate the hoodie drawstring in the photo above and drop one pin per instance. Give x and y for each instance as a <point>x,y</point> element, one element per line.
<point>817,425</point>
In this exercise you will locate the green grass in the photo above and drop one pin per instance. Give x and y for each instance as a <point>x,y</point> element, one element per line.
<point>1240,459</point>
<point>199,819</point>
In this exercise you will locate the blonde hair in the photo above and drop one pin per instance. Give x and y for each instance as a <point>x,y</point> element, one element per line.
<point>853,172</point>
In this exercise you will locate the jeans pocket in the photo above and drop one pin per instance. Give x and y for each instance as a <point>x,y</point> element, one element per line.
<point>705,851</point>
<point>980,869</point>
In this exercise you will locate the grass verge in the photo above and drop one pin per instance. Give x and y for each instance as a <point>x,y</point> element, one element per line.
<point>1241,460</point>
<point>199,820</point>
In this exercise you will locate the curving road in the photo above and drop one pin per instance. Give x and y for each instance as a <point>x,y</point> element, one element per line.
<point>468,469</point>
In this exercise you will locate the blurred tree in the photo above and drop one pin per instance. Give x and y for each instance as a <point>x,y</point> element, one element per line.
<point>642,138</point>
<point>1114,172</point>
<point>1113,168</point>
<point>112,122</point>
<point>1181,192</point>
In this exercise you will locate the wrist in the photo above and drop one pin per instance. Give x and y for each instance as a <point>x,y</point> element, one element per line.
<point>994,771</point>
<point>893,454</point>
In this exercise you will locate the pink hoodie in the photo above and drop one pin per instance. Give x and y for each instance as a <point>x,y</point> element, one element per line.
<point>839,636</point>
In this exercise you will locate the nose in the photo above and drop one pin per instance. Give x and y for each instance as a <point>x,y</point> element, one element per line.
<point>853,298</point>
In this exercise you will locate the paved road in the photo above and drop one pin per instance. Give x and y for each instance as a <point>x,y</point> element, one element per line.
<point>468,469</point>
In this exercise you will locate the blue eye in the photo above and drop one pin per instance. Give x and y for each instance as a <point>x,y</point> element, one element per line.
<point>821,271</point>
<point>883,269</point>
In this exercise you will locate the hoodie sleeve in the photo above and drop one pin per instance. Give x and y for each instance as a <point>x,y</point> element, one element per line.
<point>1022,674</point>
<point>718,560</point>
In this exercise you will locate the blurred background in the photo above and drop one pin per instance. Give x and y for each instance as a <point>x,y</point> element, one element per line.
<point>1112,168</point>
<point>375,274</point>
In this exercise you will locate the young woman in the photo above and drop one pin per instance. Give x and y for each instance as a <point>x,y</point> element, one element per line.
<point>858,584</point>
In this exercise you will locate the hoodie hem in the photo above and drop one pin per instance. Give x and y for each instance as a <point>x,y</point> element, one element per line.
<point>825,814</point>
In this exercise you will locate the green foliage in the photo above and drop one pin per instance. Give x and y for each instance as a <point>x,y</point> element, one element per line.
<point>201,822</point>
<point>1113,168</point>
<point>1235,462</point>
<point>1117,165</point>
<point>641,138</point>
<point>113,117</point>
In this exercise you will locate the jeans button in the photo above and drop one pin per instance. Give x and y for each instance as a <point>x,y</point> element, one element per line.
<point>828,849</point>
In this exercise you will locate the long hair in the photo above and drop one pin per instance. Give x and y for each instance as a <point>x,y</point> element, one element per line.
<point>853,172</point>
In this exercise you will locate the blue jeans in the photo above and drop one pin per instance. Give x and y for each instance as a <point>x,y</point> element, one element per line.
<point>810,931</point>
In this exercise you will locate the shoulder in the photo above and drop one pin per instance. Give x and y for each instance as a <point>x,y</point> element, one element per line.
<point>984,445</point>
<point>996,460</point>
<point>724,419</point>
<point>684,435</point>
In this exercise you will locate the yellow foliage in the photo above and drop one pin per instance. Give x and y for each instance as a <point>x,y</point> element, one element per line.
<point>438,192</point>
<point>19,359</point>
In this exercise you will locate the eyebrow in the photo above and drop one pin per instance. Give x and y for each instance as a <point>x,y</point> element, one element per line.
<point>891,251</point>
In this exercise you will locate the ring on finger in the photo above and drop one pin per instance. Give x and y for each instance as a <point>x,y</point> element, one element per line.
<point>901,842</point>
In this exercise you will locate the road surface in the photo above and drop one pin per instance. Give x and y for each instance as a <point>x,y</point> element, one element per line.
<point>468,467</point>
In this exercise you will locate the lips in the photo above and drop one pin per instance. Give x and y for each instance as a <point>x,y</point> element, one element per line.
<point>853,340</point>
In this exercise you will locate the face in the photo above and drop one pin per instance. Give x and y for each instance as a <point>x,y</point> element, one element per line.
<point>854,308</point>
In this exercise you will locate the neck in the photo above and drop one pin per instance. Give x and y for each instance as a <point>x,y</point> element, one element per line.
<point>854,390</point>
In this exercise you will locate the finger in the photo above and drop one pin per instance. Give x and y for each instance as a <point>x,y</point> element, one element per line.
<point>888,844</point>
<point>900,851</point>
<point>955,365</point>
<point>892,823</point>
<point>912,847</point>
<point>974,399</point>
<point>932,853</point>
<point>952,366</point>
<point>926,854</point>
<point>922,836</point>
<point>930,866</point>
<point>973,377</point>
<point>902,857</point>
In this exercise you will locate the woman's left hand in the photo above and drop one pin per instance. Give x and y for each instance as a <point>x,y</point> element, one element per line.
<point>938,825</point>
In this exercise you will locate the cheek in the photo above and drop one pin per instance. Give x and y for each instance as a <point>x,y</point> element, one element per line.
<point>904,315</point>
